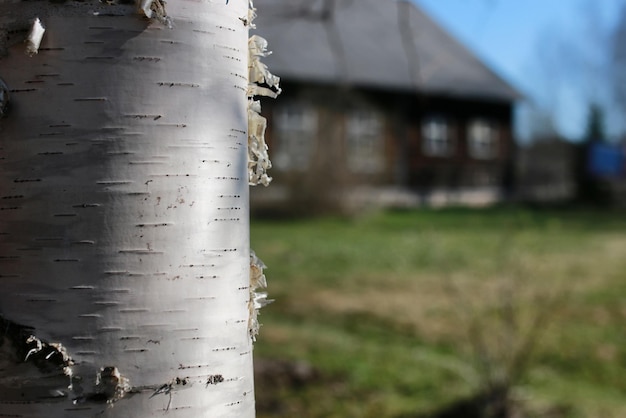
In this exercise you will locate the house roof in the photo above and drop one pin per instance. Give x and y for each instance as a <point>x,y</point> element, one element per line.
<point>387,44</point>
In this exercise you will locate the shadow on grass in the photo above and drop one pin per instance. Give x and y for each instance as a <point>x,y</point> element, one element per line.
<point>497,403</point>
<point>283,386</point>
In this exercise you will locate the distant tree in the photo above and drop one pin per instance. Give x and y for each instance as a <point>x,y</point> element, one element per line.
<point>589,189</point>
<point>569,71</point>
<point>595,130</point>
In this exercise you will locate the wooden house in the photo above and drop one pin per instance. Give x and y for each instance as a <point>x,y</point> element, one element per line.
<point>380,103</point>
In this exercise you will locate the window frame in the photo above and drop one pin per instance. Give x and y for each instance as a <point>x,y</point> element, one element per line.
<point>295,130</point>
<point>442,144</point>
<point>483,139</point>
<point>365,141</point>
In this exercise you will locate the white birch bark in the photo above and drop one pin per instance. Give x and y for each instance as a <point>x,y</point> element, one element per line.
<point>124,248</point>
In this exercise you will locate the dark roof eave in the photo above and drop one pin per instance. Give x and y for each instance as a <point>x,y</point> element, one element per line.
<point>463,93</point>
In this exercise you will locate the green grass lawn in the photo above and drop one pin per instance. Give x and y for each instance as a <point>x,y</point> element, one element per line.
<point>399,314</point>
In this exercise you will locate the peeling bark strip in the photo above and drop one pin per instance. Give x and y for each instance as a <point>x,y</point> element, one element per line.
<point>33,40</point>
<point>258,158</point>
<point>155,9</point>
<point>124,233</point>
<point>260,83</point>
<point>257,299</point>
<point>23,355</point>
<point>111,386</point>
<point>54,353</point>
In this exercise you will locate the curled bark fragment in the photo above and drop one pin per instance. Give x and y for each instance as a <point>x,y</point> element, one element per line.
<point>251,15</point>
<point>258,157</point>
<point>257,299</point>
<point>111,385</point>
<point>155,9</point>
<point>49,355</point>
<point>258,72</point>
<point>260,83</point>
<point>26,359</point>
<point>33,40</point>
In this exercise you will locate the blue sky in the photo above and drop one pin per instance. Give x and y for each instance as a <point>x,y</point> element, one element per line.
<point>507,35</point>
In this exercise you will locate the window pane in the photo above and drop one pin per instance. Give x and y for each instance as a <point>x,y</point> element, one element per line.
<point>436,138</point>
<point>482,139</point>
<point>365,142</point>
<point>296,129</point>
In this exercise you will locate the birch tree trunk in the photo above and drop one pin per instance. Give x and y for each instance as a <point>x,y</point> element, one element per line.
<point>124,247</point>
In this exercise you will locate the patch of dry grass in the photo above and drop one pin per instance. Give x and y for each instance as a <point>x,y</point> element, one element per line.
<point>453,298</point>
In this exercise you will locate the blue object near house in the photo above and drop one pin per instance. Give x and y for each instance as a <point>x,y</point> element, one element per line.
<point>606,161</point>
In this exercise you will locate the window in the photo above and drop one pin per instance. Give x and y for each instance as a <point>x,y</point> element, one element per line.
<point>482,139</point>
<point>365,142</point>
<point>436,137</point>
<point>296,129</point>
